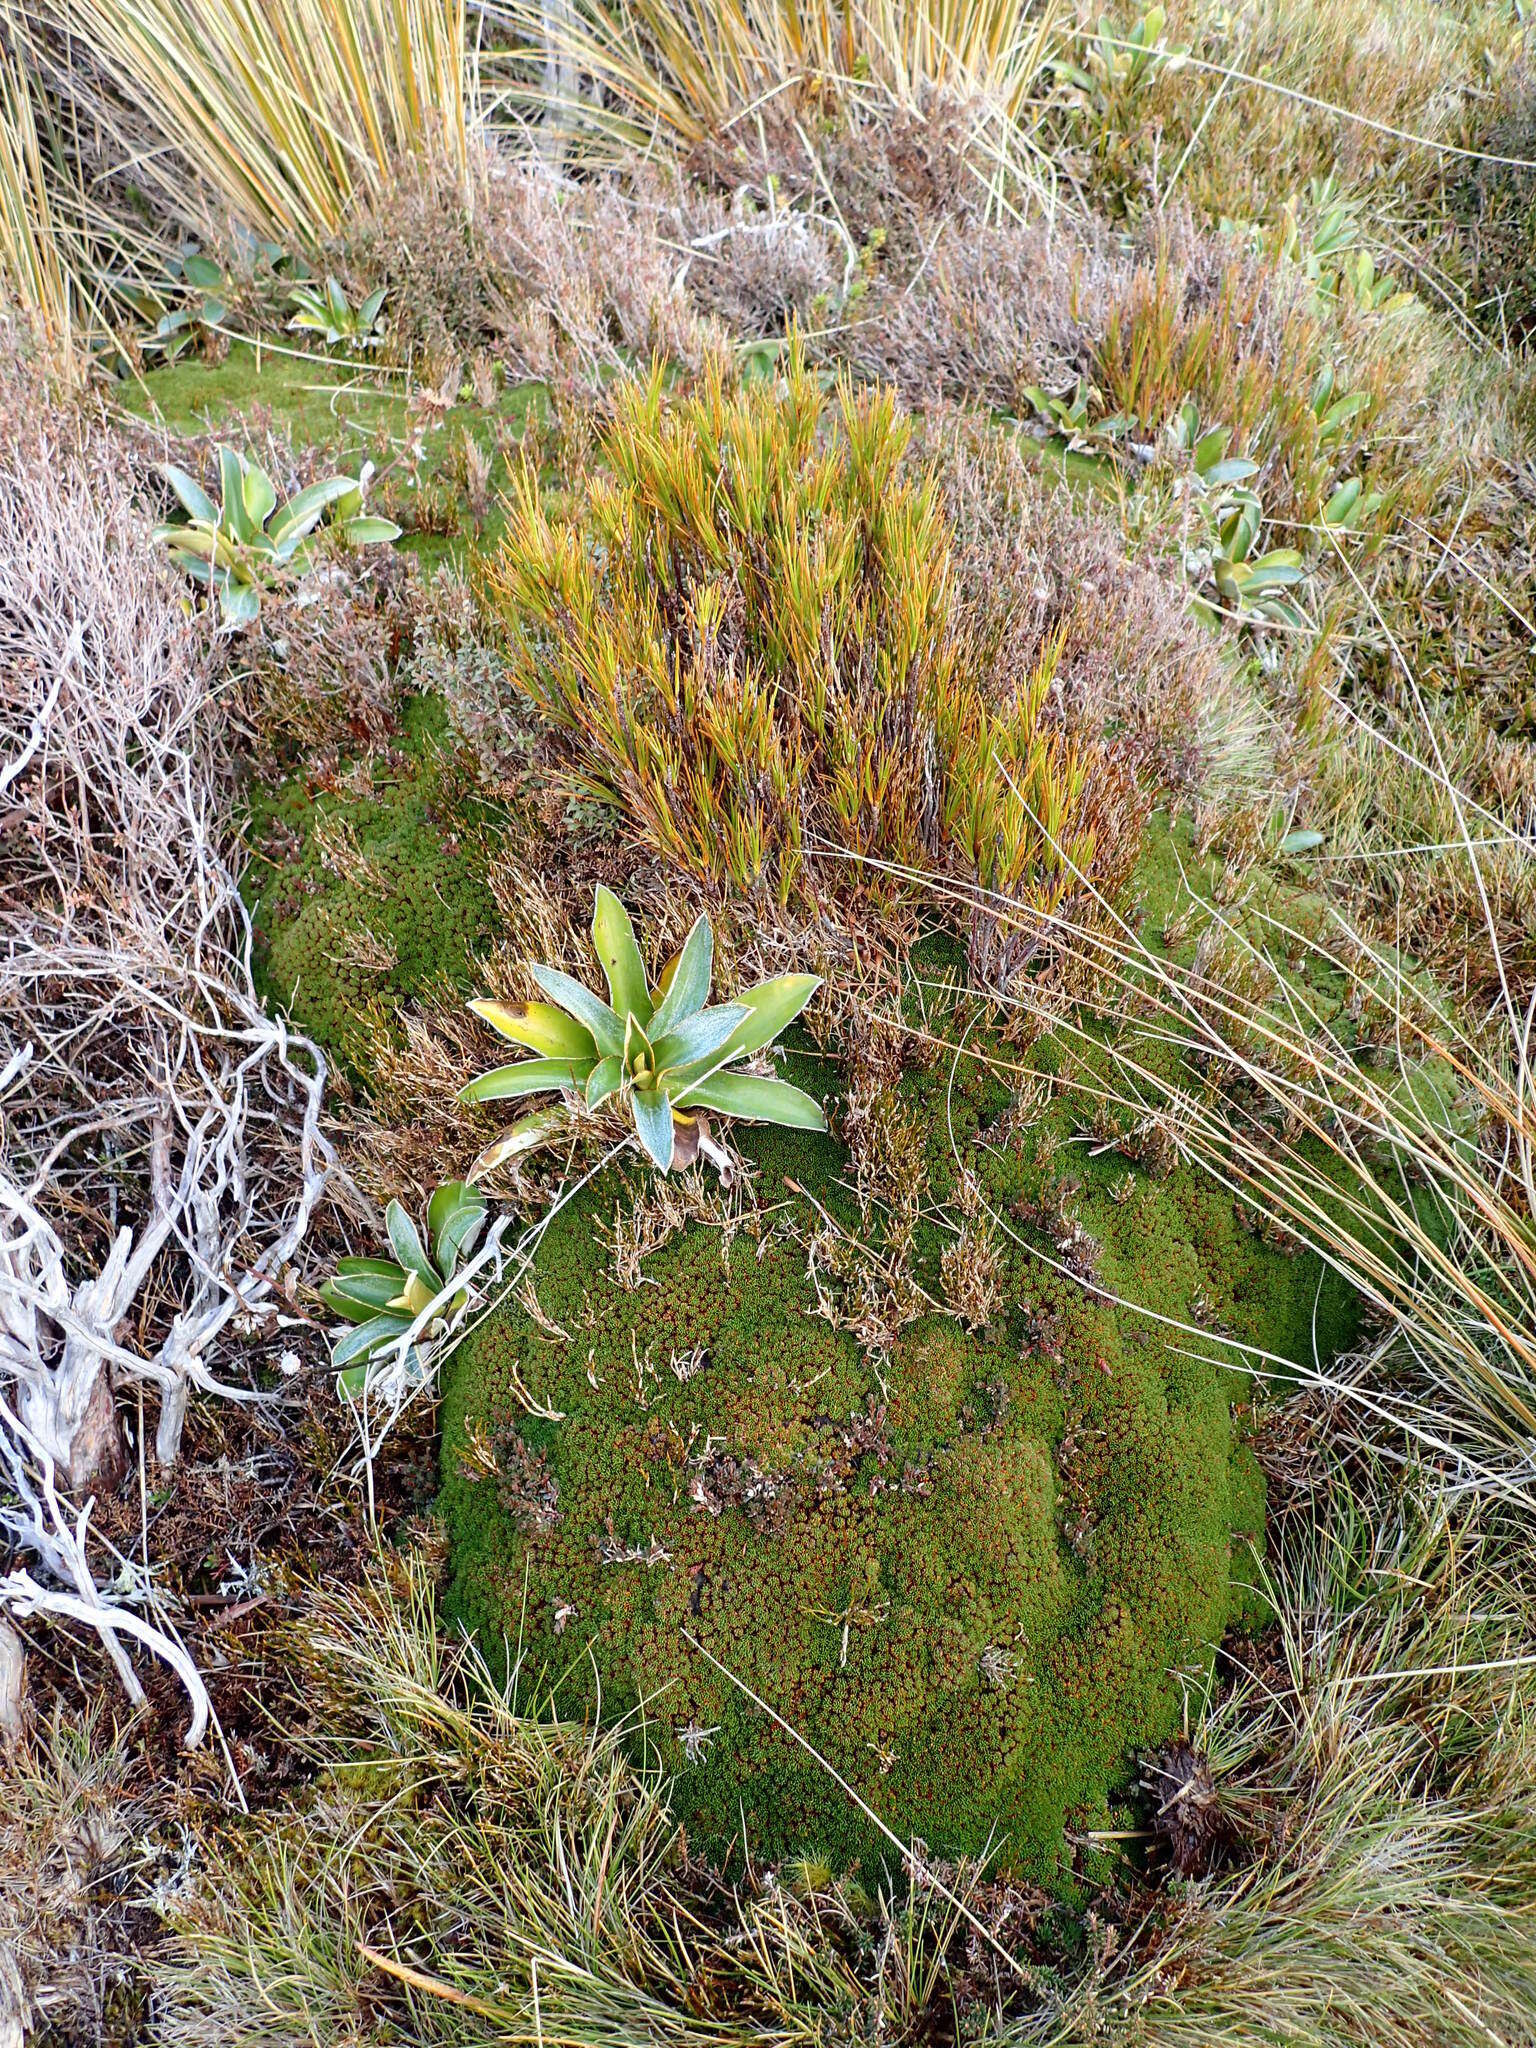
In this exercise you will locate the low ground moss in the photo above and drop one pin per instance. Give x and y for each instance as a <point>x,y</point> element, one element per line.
<point>372,890</point>
<point>441,474</point>
<point>977,1571</point>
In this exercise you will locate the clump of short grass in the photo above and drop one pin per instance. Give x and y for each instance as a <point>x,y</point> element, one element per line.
<point>1373,1769</point>
<point>466,1862</point>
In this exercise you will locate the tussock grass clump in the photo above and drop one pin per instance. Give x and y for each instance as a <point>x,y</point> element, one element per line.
<point>750,646</point>
<point>77,1842</point>
<point>612,80</point>
<point>274,113</point>
<point>1333,1050</point>
<point>1373,1766</point>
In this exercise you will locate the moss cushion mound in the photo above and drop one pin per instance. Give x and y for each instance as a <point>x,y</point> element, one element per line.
<point>975,1572</point>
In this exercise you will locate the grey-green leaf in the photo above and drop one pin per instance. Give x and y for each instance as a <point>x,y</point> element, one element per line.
<point>688,990</point>
<point>194,498</point>
<point>603,1079</point>
<point>700,1037</point>
<point>758,1098</point>
<point>368,1338</point>
<point>573,996</point>
<point>526,1077</point>
<point>455,1217</point>
<point>613,936</point>
<point>405,1243</point>
<point>653,1125</point>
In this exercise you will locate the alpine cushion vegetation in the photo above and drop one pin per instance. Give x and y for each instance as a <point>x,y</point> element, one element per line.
<point>975,1569</point>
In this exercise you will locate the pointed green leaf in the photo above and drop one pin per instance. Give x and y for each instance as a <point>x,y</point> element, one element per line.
<point>351,1269</point>
<point>638,1058</point>
<point>539,1026</point>
<point>303,512</point>
<point>368,1338</point>
<point>195,540</point>
<point>688,989</point>
<point>368,312</point>
<point>607,1029</point>
<point>772,1006</point>
<point>527,1077</point>
<point>405,1243</point>
<point>653,1125</point>
<point>700,1037</point>
<point>613,936</point>
<point>361,1295</point>
<point>369,532</point>
<point>757,1098</point>
<point>1209,450</point>
<point>455,1217</point>
<point>233,516</point>
<point>1341,505</point>
<point>603,1080</point>
<point>194,498</point>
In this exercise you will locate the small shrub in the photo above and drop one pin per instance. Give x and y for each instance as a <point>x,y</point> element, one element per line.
<point>751,645</point>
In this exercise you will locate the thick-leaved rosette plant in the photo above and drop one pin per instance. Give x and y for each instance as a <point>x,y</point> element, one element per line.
<point>247,544</point>
<point>381,1298</point>
<point>665,1053</point>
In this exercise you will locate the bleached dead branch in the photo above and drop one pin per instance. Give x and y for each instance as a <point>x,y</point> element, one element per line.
<point>161,1153</point>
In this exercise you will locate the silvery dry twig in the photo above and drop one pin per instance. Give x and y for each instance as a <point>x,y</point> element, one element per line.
<point>161,1153</point>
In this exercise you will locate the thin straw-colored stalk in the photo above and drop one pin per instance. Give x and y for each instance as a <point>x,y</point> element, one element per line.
<point>278,111</point>
<point>48,223</point>
<point>619,74</point>
<point>1376,1772</point>
<point>1270,1095</point>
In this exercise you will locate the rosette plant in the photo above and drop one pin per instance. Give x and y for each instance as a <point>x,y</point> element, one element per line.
<point>247,544</point>
<point>665,1052</point>
<point>380,1298</point>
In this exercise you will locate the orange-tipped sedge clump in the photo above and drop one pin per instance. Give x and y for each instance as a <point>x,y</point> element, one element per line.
<point>750,642</point>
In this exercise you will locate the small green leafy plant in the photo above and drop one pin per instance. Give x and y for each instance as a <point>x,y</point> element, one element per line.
<point>1231,518</point>
<point>379,1299</point>
<point>247,543</point>
<point>1326,251</point>
<point>200,285</point>
<point>661,1052</point>
<point>325,310</point>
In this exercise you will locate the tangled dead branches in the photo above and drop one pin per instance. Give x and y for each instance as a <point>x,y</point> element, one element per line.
<point>161,1152</point>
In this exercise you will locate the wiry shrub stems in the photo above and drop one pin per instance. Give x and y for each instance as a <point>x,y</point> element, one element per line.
<point>162,1152</point>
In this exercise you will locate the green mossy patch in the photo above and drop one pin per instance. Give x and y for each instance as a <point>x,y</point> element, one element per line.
<point>357,418</point>
<point>977,1574</point>
<point>372,890</point>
